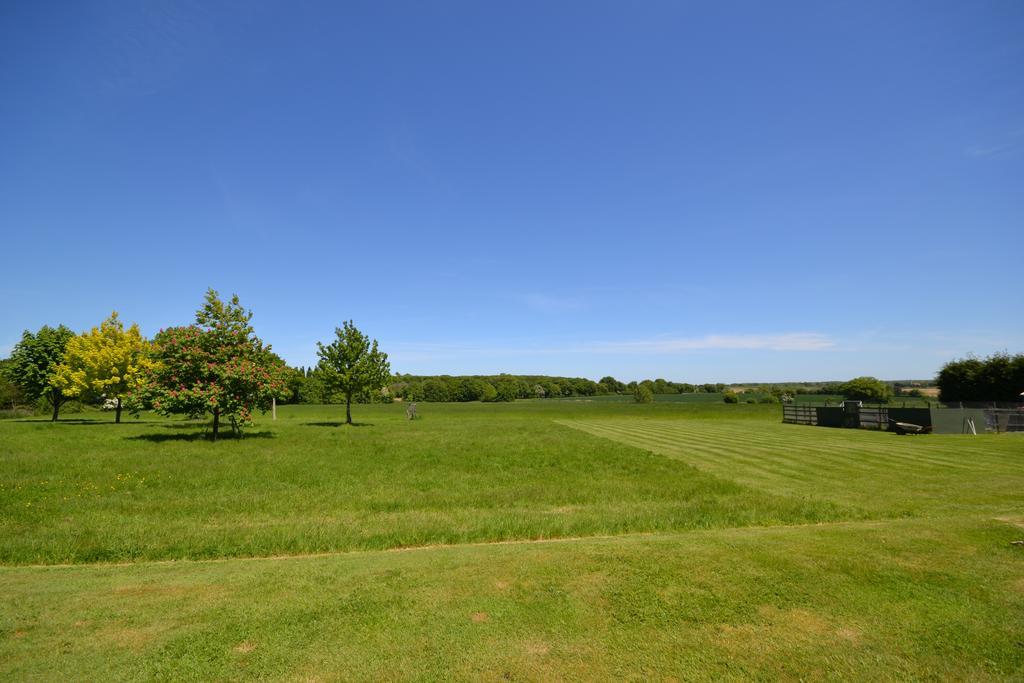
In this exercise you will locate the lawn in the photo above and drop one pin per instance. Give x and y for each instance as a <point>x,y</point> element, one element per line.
<point>541,540</point>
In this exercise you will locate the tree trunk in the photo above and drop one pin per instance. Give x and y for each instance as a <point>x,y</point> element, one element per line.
<point>55,399</point>
<point>348,408</point>
<point>117,411</point>
<point>216,422</point>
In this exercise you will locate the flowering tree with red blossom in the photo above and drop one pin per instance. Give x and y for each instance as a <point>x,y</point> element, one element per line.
<point>217,366</point>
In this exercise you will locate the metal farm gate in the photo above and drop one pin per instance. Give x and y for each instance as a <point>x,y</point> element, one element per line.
<point>1004,420</point>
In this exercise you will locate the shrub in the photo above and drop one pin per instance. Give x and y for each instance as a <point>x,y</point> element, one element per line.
<point>866,389</point>
<point>643,394</point>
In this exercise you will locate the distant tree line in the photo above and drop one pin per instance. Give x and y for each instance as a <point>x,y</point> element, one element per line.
<point>306,386</point>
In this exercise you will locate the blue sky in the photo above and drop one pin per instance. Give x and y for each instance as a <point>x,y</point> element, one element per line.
<point>717,191</point>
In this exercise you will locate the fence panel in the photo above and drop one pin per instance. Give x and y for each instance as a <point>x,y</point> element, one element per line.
<point>799,414</point>
<point>874,418</point>
<point>1004,420</point>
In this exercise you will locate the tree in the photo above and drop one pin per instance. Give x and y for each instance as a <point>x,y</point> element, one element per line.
<point>352,363</point>
<point>469,389</point>
<point>108,360</point>
<point>999,377</point>
<point>643,394</point>
<point>296,383</point>
<point>436,391</point>
<point>34,361</point>
<point>217,365</point>
<point>10,393</point>
<point>552,389</point>
<point>730,397</point>
<point>866,389</point>
<point>489,393</point>
<point>506,390</point>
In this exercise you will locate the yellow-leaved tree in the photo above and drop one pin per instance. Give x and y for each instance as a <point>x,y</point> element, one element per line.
<point>108,360</point>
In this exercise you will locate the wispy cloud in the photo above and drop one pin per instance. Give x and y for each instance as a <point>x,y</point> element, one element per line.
<point>547,304</point>
<point>792,341</point>
<point>1010,145</point>
<point>990,151</point>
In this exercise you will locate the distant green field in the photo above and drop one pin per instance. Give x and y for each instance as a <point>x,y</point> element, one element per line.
<point>699,397</point>
<point>540,540</point>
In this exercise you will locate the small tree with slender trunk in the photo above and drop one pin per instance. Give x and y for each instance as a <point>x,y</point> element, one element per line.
<point>217,366</point>
<point>108,360</point>
<point>352,364</point>
<point>35,360</point>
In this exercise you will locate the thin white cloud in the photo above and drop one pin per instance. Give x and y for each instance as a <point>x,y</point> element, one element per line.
<point>1011,144</point>
<point>552,305</point>
<point>792,341</point>
<point>992,151</point>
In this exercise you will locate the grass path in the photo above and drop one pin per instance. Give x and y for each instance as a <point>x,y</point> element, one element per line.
<point>445,546</point>
<point>876,600</point>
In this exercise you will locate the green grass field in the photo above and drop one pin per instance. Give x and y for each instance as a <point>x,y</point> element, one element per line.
<point>541,540</point>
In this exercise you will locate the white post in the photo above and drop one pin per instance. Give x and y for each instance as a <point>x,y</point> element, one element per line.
<point>273,407</point>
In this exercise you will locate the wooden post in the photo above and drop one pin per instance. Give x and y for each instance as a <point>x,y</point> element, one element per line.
<point>273,407</point>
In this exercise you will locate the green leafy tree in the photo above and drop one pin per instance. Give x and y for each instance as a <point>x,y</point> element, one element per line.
<point>217,366</point>
<point>552,389</point>
<point>34,362</point>
<point>866,389</point>
<point>523,389</point>
<point>469,389</point>
<point>436,390</point>
<point>506,390</point>
<point>352,364</point>
<point>999,377</point>
<point>730,397</point>
<point>10,393</point>
<point>643,394</point>
<point>296,383</point>
<point>489,393</point>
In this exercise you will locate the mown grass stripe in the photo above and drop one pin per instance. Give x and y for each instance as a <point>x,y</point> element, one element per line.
<point>856,468</point>
<point>783,458</point>
<point>852,458</point>
<point>886,457</point>
<point>711,455</point>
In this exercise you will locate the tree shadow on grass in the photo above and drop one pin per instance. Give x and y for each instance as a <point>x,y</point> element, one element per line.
<point>339,423</point>
<point>186,425</point>
<point>200,436</point>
